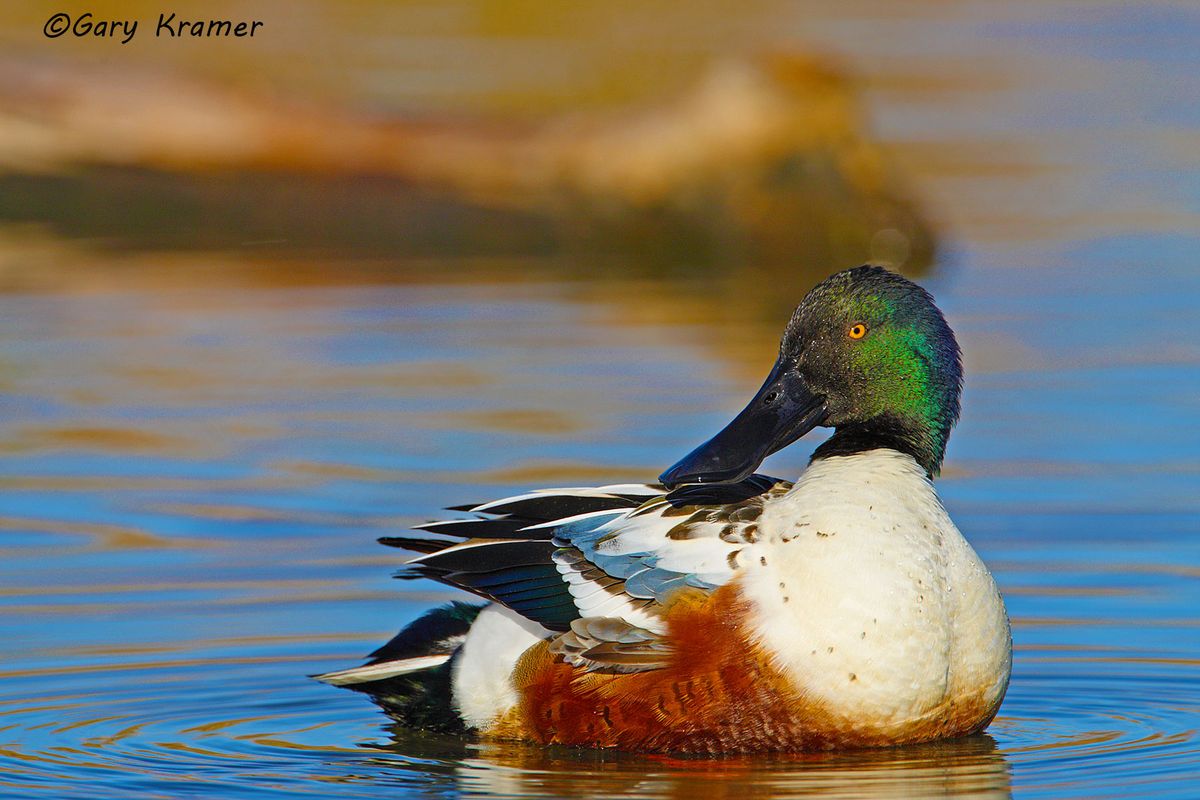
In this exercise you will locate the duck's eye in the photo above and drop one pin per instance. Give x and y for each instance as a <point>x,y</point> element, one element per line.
<point>858,330</point>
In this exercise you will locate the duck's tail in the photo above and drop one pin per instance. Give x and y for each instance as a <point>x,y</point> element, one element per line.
<point>409,677</point>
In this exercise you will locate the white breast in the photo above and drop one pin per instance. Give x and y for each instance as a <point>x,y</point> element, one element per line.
<point>864,592</point>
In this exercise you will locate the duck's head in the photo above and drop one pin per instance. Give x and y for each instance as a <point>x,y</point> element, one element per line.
<point>867,353</point>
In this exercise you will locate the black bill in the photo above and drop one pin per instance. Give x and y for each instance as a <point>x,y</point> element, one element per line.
<point>783,410</point>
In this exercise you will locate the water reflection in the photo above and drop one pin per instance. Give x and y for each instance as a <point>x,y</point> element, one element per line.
<point>970,767</point>
<point>735,312</point>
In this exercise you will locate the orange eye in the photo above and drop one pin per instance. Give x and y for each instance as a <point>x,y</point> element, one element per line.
<point>858,331</point>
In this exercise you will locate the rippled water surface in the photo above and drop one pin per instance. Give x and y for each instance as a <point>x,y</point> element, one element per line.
<point>197,453</point>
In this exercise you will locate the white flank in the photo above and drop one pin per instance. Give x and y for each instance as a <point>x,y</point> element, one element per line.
<point>481,681</point>
<point>378,672</point>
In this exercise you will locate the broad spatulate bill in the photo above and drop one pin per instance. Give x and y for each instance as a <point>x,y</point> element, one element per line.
<point>720,610</point>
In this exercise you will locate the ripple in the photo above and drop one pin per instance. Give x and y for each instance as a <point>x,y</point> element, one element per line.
<point>249,717</point>
<point>1092,725</point>
<point>214,723</point>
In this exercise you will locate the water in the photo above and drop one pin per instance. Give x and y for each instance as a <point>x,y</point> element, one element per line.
<point>194,479</point>
<point>197,452</point>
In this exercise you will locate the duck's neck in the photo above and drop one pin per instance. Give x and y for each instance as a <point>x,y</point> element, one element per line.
<point>893,433</point>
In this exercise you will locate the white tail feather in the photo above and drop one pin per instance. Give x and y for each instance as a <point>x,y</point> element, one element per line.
<point>379,672</point>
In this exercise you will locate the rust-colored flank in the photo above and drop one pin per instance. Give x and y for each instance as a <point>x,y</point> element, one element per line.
<point>719,694</point>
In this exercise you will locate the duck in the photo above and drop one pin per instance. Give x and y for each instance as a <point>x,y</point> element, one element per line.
<point>719,610</point>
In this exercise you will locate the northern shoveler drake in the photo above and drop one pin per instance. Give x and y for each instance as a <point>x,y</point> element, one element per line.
<point>719,610</point>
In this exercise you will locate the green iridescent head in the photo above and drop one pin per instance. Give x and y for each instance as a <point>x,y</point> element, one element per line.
<point>876,348</point>
<point>867,353</point>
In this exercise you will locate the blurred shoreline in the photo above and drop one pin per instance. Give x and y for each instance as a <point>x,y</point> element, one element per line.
<point>763,164</point>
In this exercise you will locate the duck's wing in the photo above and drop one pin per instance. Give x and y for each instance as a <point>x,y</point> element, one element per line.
<point>596,564</point>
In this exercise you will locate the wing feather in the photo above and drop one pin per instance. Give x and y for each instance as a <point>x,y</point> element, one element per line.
<point>608,644</point>
<point>596,565</point>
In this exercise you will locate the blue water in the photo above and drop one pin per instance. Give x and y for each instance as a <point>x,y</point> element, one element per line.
<point>194,480</point>
<point>195,459</point>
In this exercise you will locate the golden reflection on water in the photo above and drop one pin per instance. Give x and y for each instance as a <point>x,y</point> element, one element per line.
<point>966,767</point>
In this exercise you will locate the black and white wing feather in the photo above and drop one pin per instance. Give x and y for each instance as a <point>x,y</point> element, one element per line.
<point>609,556</point>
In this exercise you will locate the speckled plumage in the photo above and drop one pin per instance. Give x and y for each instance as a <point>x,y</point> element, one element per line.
<point>868,598</point>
